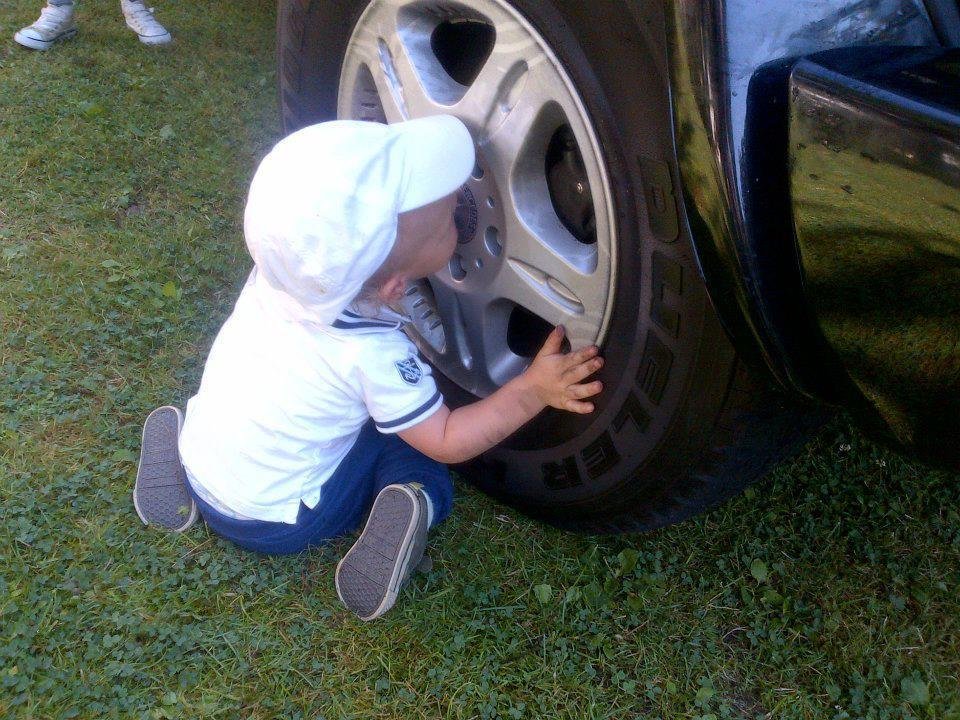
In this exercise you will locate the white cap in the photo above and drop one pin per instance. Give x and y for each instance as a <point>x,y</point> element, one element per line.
<point>321,214</point>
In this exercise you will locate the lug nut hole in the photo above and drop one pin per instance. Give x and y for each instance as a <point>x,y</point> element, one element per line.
<point>456,268</point>
<point>491,239</point>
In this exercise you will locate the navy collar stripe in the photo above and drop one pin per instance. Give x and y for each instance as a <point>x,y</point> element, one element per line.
<point>353,321</point>
<point>340,325</point>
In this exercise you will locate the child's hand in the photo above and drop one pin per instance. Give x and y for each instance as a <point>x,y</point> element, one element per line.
<point>553,379</point>
<point>556,378</point>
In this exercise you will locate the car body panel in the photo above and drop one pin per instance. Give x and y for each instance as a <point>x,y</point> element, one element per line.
<point>730,69</point>
<point>744,242</point>
<point>875,186</point>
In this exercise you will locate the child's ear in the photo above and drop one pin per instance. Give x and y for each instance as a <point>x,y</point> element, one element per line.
<point>392,288</point>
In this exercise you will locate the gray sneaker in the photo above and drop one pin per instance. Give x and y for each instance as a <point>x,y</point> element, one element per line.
<point>54,24</point>
<point>388,550</point>
<point>160,495</point>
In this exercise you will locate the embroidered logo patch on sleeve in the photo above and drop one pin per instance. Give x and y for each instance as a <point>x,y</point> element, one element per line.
<point>409,370</point>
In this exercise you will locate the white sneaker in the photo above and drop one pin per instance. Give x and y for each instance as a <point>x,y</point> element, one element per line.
<point>140,19</point>
<point>54,24</point>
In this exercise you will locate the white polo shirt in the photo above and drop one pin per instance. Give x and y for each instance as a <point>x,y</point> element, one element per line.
<point>282,401</point>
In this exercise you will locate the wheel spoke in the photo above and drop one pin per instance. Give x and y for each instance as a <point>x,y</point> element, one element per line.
<point>458,348</point>
<point>368,58</point>
<point>505,128</point>
<point>501,83</point>
<point>396,74</point>
<point>543,243</point>
<point>486,325</point>
<point>477,356</point>
<point>402,50</point>
<point>389,54</point>
<point>392,103</point>
<point>556,280</point>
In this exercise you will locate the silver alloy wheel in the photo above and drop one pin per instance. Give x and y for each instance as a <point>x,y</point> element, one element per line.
<point>517,258</point>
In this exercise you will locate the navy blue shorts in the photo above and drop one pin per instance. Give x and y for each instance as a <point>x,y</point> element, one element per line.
<point>375,461</point>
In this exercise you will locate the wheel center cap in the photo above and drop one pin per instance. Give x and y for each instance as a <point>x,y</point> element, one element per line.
<point>480,230</point>
<point>465,216</point>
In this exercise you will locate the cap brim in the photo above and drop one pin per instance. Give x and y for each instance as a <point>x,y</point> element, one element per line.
<point>438,154</point>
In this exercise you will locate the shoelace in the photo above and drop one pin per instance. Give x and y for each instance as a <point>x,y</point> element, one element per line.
<point>50,18</point>
<point>143,17</point>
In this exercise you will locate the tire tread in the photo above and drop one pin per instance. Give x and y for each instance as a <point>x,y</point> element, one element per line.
<point>756,429</point>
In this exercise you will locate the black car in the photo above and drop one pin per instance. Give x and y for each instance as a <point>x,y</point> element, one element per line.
<point>752,206</point>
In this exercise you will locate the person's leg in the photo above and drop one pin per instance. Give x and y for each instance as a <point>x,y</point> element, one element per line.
<point>269,538</point>
<point>400,463</point>
<point>141,20</point>
<point>413,493</point>
<point>54,24</point>
<point>344,499</point>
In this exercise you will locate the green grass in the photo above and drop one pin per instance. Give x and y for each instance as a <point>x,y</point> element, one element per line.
<point>829,591</point>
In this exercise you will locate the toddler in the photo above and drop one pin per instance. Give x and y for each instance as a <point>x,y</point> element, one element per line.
<point>314,409</point>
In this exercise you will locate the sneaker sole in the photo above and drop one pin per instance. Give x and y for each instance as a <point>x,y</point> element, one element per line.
<point>161,39</point>
<point>161,487</point>
<point>156,39</point>
<point>37,44</point>
<point>369,577</point>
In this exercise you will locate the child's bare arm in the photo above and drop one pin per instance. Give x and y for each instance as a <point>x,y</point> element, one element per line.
<point>554,380</point>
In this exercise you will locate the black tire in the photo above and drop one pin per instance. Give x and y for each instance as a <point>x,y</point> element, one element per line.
<point>681,424</point>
